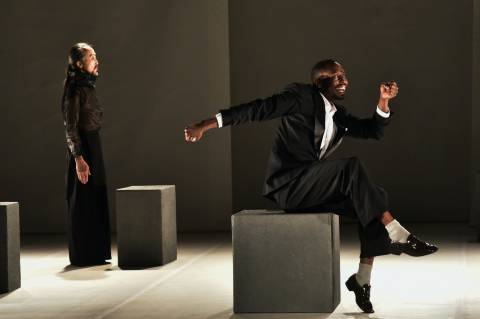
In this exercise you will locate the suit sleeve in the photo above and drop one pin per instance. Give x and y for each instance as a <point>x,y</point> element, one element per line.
<point>72,116</point>
<point>277,105</point>
<point>366,128</point>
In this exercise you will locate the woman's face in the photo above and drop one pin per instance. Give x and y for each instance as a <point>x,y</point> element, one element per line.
<point>90,63</point>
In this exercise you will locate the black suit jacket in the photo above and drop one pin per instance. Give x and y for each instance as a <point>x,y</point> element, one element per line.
<point>295,148</point>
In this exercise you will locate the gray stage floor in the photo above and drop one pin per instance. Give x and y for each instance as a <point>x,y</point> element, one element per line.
<point>199,283</point>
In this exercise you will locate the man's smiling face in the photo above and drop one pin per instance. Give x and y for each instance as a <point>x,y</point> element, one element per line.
<point>338,83</point>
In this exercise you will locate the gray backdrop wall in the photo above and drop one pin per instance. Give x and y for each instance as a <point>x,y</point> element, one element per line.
<point>424,159</point>
<point>163,64</point>
<point>168,63</point>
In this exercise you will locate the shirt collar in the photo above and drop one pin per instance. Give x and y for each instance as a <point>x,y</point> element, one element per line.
<point>329,107</point>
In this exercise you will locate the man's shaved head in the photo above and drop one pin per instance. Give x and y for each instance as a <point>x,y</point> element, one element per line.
<point>325,69</point>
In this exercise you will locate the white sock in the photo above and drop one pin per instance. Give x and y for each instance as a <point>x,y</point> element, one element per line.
<point>363,274</point>
<point>396,232</point>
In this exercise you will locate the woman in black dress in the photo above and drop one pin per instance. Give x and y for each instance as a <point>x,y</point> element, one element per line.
<point>88,217</point>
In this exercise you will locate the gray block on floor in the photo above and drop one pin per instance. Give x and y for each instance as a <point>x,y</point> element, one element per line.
<point>9,247</point>
<point>285,262</point>
<point>146,225</point>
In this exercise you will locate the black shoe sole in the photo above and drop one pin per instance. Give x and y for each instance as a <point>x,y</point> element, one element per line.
<point>351,287</point>
<point>395,250</point>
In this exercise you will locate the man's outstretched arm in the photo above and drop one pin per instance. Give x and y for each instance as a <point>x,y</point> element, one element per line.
<point>277,105</point>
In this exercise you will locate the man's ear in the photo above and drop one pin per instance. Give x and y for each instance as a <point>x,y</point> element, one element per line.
<point>79,64</point>
<point>319,83</point>
<point>323,82</point>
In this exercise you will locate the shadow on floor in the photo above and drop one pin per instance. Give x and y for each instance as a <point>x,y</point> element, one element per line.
<point>228,314</point>
<point>5,294</point>
<point>116,268</point>
<point>280,316</point>
<point>360,315</point>
<point>96,272</point>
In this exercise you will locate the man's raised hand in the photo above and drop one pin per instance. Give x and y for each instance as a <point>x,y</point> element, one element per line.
<point>388,90</point>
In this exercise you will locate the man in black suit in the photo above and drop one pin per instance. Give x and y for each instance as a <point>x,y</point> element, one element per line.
<point>300,177</point>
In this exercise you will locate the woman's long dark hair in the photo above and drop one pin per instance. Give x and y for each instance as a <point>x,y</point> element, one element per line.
<point>76,54</point>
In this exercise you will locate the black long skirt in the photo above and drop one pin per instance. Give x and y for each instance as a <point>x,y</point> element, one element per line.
<point>87,205</point>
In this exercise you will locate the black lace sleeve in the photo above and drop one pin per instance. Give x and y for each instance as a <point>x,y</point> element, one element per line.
<point>71,116</point>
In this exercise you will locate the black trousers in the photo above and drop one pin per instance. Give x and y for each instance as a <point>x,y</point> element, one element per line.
<point>88,217</point>
<point>344,187</point>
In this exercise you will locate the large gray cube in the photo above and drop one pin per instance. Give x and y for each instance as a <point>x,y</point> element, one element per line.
<point>285,262</point>
<point>146,225</point>
<point>9,247</point>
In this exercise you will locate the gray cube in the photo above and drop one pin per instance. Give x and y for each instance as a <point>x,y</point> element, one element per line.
<point>146,225</point>
<point>285,262</point>
<point>9,247</point>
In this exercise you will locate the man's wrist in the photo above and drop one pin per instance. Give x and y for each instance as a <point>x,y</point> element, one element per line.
<point>209,124</point>
<point>383,105</point>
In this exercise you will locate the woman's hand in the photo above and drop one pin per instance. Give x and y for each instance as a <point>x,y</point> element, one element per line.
<point>83,170</point>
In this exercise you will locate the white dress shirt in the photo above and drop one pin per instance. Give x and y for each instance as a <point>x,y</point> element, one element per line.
<point>330,127</point>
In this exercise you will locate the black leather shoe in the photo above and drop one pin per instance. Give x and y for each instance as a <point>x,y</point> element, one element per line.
<point>362,294</point>
<point>413,247</point>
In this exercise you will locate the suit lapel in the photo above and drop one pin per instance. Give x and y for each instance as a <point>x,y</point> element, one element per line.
<point>339,118</point>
